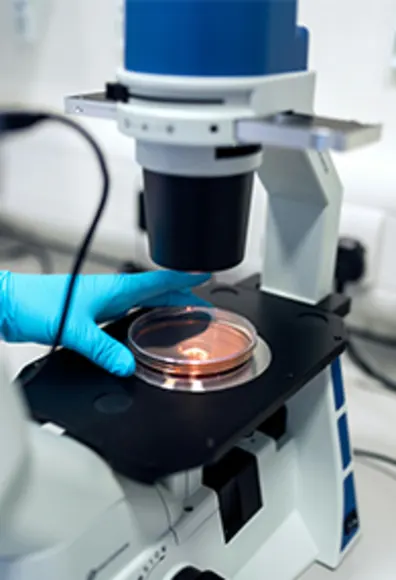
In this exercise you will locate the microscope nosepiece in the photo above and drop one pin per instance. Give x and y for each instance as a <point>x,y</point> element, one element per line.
<point>197,223</point>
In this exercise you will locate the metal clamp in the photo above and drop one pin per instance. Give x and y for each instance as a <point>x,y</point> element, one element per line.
<point>91,105</point>
<point>284,130</point>
<point>297,131</point>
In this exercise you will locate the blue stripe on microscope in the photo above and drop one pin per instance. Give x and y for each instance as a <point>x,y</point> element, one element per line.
<point>214,37</point>
<point>351,517</point>
<point>344,441</point>
<point>338,384</point>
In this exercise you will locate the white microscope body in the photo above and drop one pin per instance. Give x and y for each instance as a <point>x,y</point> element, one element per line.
<point>64,514</point>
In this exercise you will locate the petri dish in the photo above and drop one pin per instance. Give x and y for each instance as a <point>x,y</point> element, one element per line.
<point>192,342</point>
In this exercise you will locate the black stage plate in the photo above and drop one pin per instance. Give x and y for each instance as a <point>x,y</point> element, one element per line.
<point>145,432</point>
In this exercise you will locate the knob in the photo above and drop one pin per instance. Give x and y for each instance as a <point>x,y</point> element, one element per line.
<point>351,262</point>
<point>191,573</point>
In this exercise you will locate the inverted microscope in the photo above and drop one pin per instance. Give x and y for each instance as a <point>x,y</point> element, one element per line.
<point>235,471</point>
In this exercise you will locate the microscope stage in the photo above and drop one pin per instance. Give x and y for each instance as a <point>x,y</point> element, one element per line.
<point>145,432</point>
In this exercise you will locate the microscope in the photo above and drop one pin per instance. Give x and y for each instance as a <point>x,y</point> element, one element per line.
<point>252,476</point>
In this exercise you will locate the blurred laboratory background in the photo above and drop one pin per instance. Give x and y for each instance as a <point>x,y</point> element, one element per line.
<point>49,50</point>
<point>49,190</point>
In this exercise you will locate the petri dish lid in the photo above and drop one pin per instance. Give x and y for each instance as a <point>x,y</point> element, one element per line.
<point>192,341</point>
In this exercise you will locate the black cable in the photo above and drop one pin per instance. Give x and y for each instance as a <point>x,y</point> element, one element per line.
<point>350,267</point>
<point>364,453</point>
<point>363,364</point>
<point>372,337</point>
<point>13,120</point>
<point>366,367</point>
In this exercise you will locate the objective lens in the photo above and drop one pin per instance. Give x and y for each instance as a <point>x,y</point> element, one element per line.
<point>192,341</point>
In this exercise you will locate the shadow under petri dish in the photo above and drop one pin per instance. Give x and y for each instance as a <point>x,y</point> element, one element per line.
<point>192,341</point>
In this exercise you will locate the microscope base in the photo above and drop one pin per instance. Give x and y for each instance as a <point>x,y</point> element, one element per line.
<point>306,510</point>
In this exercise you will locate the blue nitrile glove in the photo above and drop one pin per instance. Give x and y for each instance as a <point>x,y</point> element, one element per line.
<point>31,305</point>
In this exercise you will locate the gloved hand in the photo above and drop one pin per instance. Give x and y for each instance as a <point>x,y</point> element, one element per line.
<point>31,305</point>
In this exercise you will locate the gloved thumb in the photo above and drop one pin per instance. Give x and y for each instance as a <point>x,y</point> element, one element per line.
<point>93,343</point>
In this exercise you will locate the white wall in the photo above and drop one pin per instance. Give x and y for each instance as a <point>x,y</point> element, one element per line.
<point>47,179</point>
<point>75,49</point>
<point>351,48</point>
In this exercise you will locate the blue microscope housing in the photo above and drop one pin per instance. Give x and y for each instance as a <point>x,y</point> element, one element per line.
<point>214,38</point>
<point>211,40</point>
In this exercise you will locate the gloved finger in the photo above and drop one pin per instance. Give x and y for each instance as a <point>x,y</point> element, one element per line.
<point>93,343</point>
<point>119,293</point>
